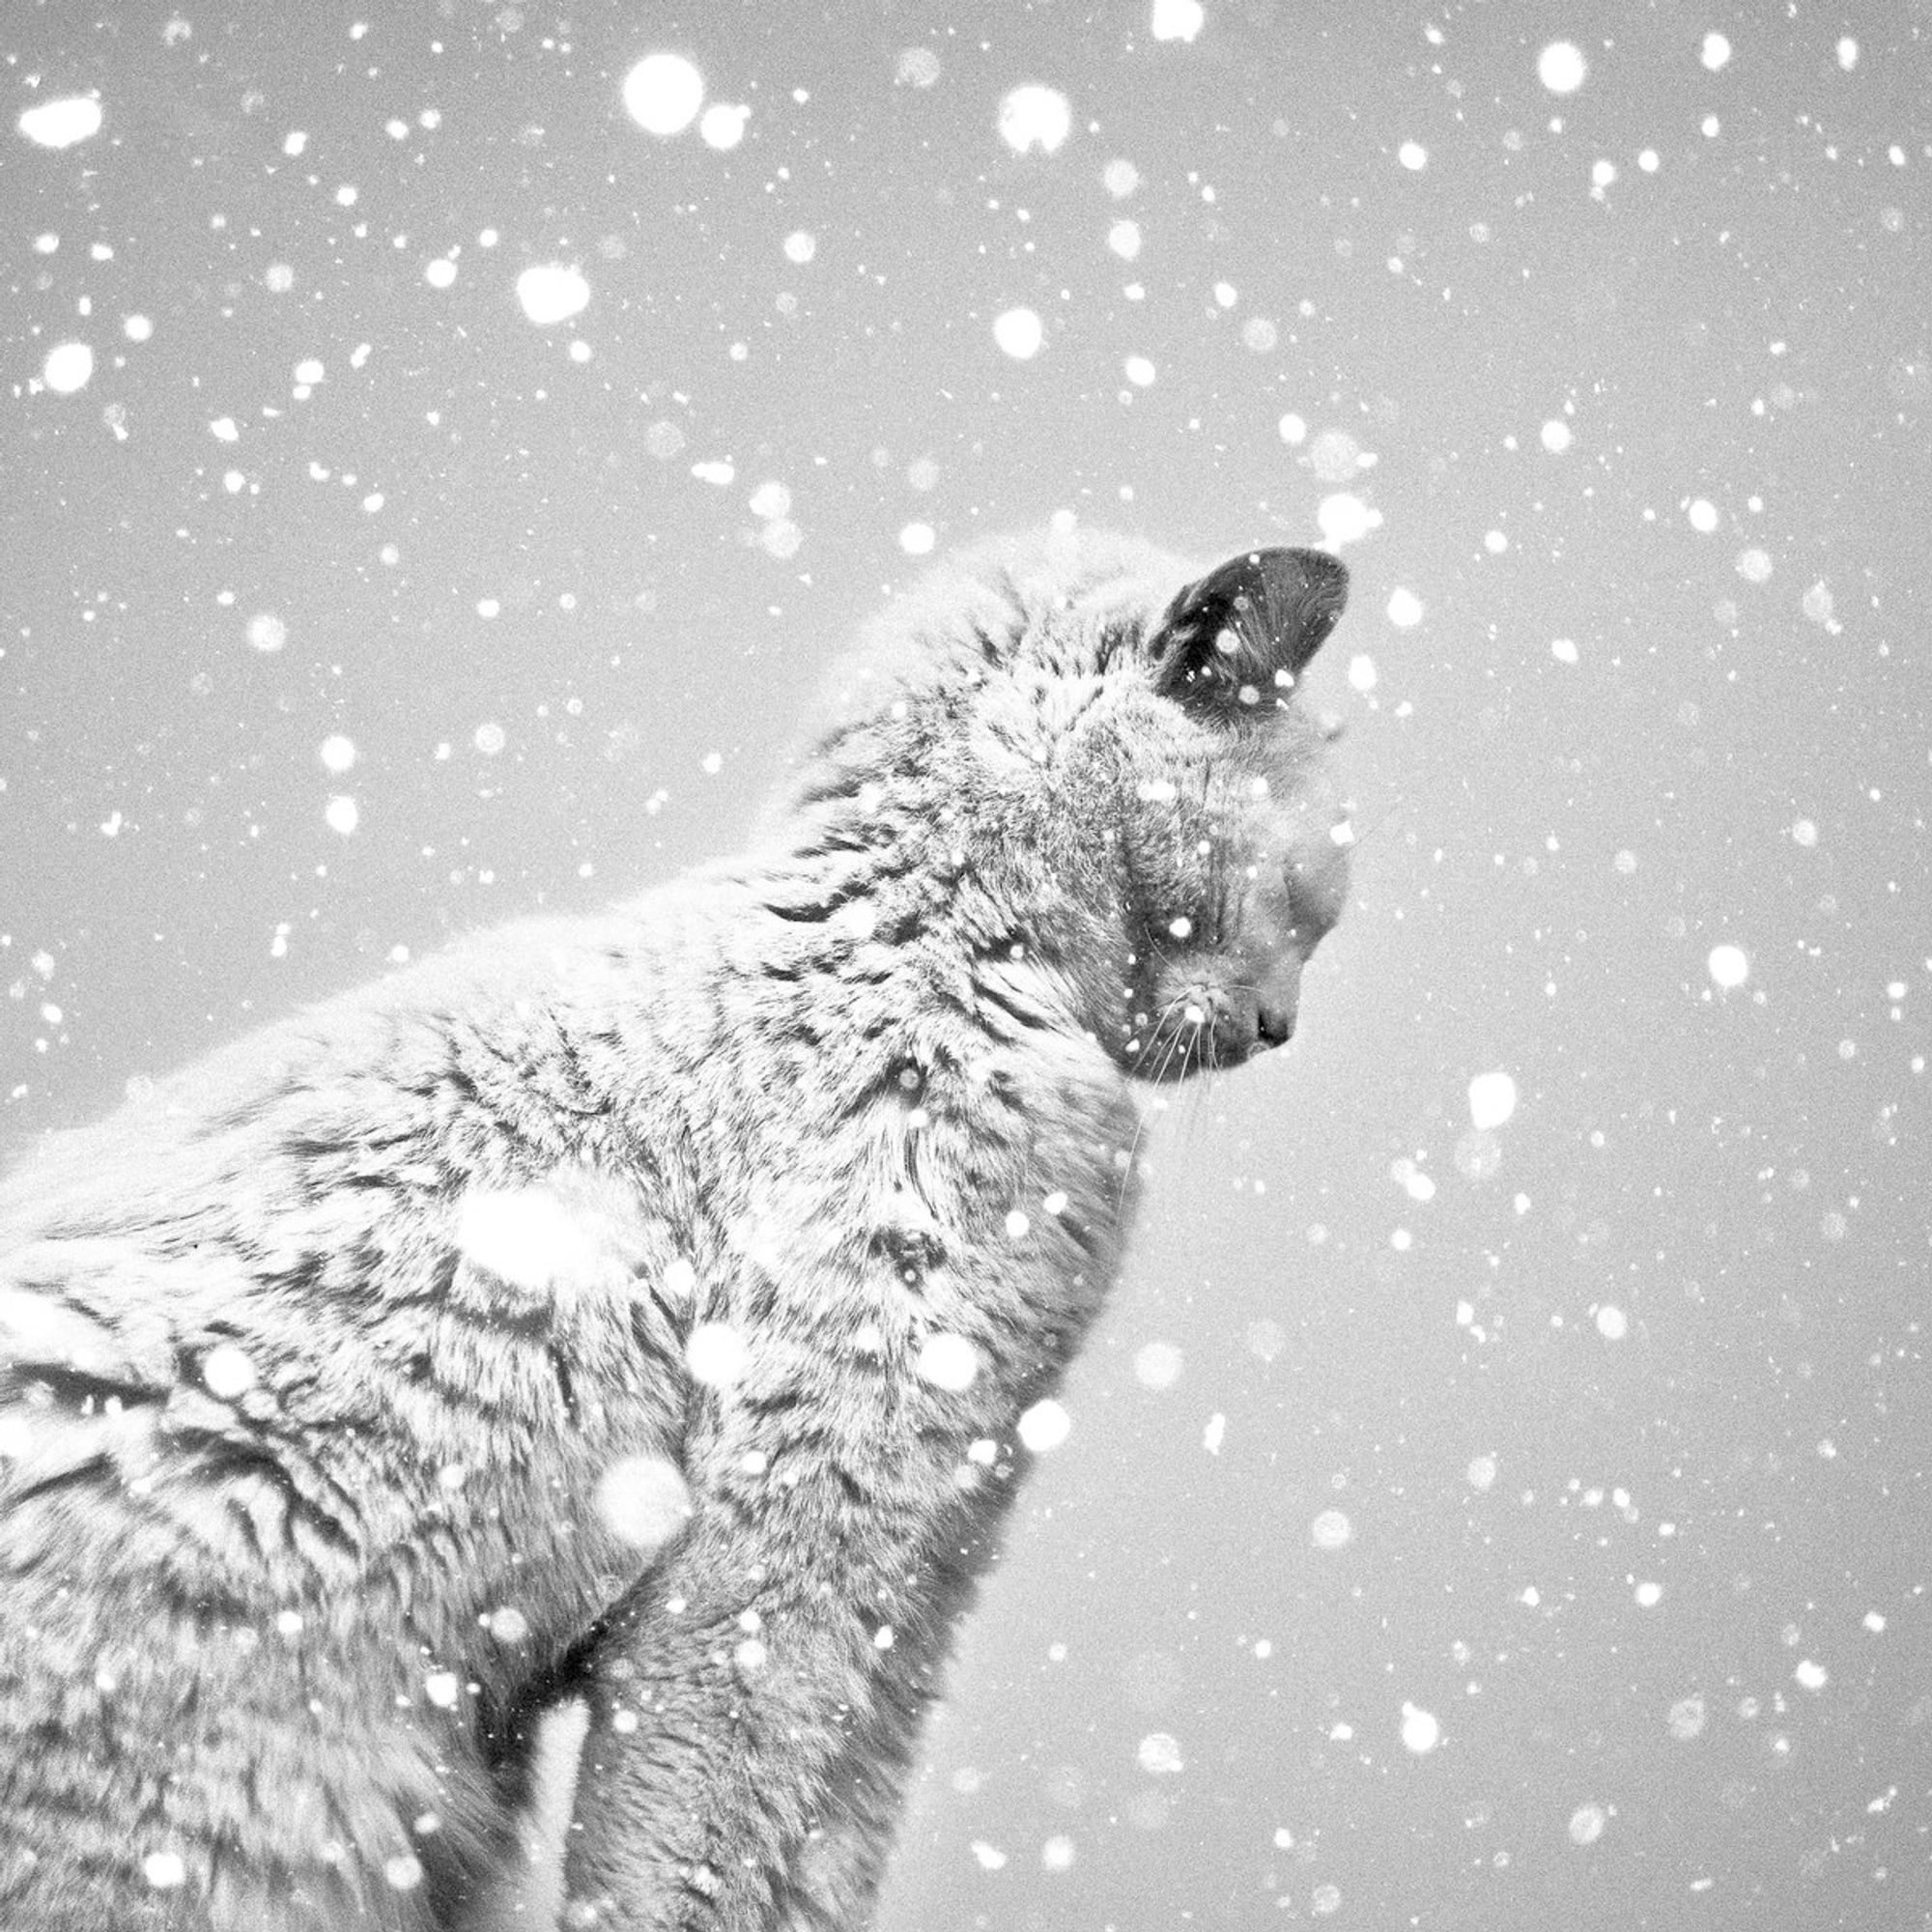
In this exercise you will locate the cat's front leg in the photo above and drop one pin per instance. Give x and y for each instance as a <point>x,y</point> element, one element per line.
<point>724,1698</point>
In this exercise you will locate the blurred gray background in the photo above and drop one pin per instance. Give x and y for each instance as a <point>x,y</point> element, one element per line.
<point>1498,1506</point>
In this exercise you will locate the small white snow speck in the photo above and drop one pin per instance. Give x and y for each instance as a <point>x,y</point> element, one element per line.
<point>1482,1472</point>
<point>1017,1225</point>
<point>508,1623</point>
<point>1716,50</point>
<point>164,1870</point>
<point>1556,436</point>
<point>1404,608</point>
<point>1812,1676</point>
<point>644,1500</point>
<point>1020,332</point>
<point>1157,1364</point>
<point>440,272</point>
<point>722,125</point>
<point>1045,1426</point>
<point>1491,1100</point>
<point>1421,1732</point>
<point>62,124</point>
<point>918,539</point>
<point>917,66</point>
<point>1612,1324</point>
<point>799,247</point>
<point>525,1236</point>
<point>1685,1718</point>
<point>1648,1595</point>
<point>1034,116</point>
<point>1413,155</point>
<point>1140,372</point>
<point>1362,674</point>
<point>443,1689</point>
<point>716,1354</point>
<point>342,814</point>
<point>404,1872</point>
<point>1343,518</point>
<point>1057,1855</point>
<point>662,93</point>
<point>1330,1530</point>
<point>948,1362</point>
<point>1728,966</point>
<point>1177,20</point>
<point>1056,1202</point>
<point>1561,67</point>
<point>990,1858</point>
<point>552,291</point>
<point>1703,515</point>
<point>227,1371</point>
<point>337,753</point>
<point>1563,650</point>
<point>1159,1754</point>
<point>68,368</point>
<point>1586,1823</point>
<point>1214,1432</point>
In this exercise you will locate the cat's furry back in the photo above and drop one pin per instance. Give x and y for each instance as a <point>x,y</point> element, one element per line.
<point>643,1304</point>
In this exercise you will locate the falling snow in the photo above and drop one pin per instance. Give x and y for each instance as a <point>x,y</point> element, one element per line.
<point>438,493</point>
<point>1020,332</point>
<point>63,123</point>
<point>552,291</point>
<point>1032,117</point>
<point>661,94</point>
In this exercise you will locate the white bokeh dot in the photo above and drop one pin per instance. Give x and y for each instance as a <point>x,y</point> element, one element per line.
<point>663,94</point>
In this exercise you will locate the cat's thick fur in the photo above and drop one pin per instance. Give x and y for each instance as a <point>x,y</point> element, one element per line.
<point>641,1306</point>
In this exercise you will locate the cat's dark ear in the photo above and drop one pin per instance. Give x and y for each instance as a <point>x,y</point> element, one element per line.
<point>1237,640</point>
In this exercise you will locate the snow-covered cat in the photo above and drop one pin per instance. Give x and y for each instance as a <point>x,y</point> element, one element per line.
<point>640,1309</point>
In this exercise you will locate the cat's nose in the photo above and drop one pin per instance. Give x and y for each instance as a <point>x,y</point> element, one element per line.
<point>1274,1025</point>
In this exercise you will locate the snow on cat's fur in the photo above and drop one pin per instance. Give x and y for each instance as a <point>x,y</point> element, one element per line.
<point>639,1308</point>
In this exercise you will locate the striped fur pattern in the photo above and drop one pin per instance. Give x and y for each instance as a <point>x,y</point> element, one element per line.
<point>639,1308</point>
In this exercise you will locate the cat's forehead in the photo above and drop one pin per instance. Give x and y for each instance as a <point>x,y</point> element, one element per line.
<point>1069,595</point>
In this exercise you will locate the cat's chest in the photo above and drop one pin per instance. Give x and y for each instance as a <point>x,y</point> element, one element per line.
<point>995,1212</point>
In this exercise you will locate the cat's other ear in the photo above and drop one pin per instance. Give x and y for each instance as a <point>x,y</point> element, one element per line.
<point>1237,640</point>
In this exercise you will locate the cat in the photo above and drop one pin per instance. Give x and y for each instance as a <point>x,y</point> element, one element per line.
<point>649,1310</point>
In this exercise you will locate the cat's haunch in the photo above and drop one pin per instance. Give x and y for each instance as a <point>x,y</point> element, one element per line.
<point>638,1312</point>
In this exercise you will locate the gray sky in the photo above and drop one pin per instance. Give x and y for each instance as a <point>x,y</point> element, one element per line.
<point>1467,1520</point>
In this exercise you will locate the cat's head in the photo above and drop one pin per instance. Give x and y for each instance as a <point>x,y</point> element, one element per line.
<point>1143,823</point>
